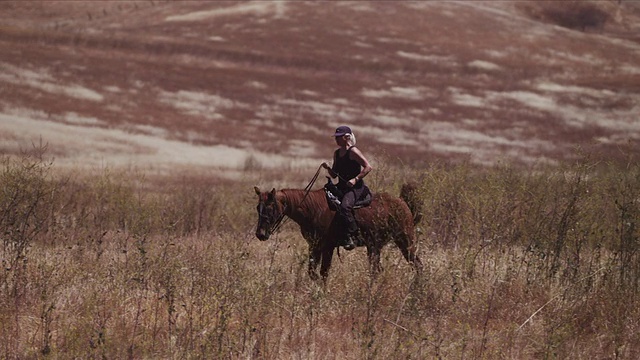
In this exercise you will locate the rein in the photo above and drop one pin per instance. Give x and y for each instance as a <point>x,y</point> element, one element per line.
<point>279,222</point>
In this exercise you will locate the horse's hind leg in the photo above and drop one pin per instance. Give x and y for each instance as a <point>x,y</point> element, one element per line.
<point>407,246</point>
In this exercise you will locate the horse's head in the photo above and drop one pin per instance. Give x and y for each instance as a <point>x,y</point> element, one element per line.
<point>270,213</point>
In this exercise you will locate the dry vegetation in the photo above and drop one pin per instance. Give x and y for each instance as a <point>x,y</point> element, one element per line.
<point>518,264</point>
<point>127,230</point>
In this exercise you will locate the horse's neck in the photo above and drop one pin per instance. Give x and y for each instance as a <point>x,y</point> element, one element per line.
<point>297,203</point>
<point>291,200</point>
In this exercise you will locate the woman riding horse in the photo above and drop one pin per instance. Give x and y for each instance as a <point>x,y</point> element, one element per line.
<point>350,166</point>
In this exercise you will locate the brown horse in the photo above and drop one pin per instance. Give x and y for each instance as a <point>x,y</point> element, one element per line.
<point>387,218</point>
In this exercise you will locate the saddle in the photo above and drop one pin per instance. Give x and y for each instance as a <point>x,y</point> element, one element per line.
<point>334,196</point>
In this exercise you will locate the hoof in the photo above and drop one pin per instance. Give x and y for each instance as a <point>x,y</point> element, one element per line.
<point>313,275</point>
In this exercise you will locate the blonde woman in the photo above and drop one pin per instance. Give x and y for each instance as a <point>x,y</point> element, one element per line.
<point>350,166</point>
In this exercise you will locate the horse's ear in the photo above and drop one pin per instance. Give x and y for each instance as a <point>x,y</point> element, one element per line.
<point>257,190</point>
<point>272,194</point>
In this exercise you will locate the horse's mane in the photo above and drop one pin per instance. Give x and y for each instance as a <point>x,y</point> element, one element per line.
<point>315,199</point>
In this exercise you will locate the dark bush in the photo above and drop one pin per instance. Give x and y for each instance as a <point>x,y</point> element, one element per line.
<point>578,15</point>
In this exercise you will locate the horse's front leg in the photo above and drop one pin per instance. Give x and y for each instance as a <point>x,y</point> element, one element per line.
<point>314,260</point>
<point>327,256</point>
<point>373,252</point>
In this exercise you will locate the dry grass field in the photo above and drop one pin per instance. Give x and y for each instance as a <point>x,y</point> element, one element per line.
<point>132,134</point>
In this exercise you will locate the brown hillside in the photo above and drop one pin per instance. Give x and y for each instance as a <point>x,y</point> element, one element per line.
<point>225,84</point>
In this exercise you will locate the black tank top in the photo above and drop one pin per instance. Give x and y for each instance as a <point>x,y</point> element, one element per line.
<point>346,168</point>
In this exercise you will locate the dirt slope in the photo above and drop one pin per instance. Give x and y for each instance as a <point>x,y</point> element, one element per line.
<point>238,84</point>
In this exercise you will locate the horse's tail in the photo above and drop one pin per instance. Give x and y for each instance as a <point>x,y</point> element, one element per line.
<point>410,194</point>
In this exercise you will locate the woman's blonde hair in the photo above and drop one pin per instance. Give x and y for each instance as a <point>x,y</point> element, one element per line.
<point>351,139</point>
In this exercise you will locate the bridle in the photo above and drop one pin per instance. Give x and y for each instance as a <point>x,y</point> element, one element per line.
<point>279,221</point>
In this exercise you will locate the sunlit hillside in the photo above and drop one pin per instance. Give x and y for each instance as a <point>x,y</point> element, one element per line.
<point>226,84</point>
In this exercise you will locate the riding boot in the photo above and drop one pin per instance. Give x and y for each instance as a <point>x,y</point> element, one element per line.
<point>350,242</point>
<point>346,213</point>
